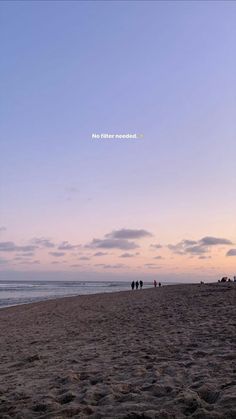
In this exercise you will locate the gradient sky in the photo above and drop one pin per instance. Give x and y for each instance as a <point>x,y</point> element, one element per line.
<point>162,69</point>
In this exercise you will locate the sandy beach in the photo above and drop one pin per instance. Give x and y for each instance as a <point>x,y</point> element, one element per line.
<point>157,353</point>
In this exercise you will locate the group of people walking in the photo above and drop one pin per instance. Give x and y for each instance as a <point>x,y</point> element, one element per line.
<point>155,283</point>
<point>226,279</point>
<point>139,284</point>
<point>136,285</point>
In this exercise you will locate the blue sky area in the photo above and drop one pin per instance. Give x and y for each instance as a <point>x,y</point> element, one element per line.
<point>162,69</point>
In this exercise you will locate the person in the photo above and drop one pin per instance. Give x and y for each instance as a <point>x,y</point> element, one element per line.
<point>159,284</point>
<point>155,283</point>
<point>137,285</point>
<point>141,284</point>
<point>132,285</point>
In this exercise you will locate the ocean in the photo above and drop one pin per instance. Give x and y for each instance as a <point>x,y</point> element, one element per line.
<point>13,293</point>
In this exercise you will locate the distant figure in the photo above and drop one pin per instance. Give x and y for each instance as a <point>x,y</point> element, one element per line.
<point>202,283</point>
<point>224,279</point>
<point>155,283</point>
<point>159,284</point>
<point>229,280</point>
<point>137,285</point>
<point>132,285</point>
<point>141,284</point>
<point>234,278</point>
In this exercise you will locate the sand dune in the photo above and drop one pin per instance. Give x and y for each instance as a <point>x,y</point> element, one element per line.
<point>158,353</point>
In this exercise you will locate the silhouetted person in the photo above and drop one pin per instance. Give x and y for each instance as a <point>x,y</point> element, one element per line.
<point>159,284</point>
<point>132,285</point>
<point>141,284</point>
<point>137,285</point>
<point>155,283</point>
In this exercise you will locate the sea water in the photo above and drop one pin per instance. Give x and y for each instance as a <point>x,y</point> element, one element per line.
<point>23,292</point>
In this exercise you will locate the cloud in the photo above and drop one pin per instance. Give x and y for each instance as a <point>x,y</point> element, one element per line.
<point>76,266</point>
<point>199,247</point>
<point>190,242</point>
<point>3,261</point>
<point>196,250</point>
<point>214,241</point>
<point>110,266</point>
<point>156,246</point>
<point>42,242</point>
<point>231,252</point>
<point>57,254</point>
<point>126,233</point>
<point>204,257</point>
<point>2,228</point>
<point>84,258</point>
<point>100,254</point>
<point>121,244</point>
<point>26,254</point>
<point>152,266</point>
<point>12,247</point>
<point>116,266</point>
<point>158,257</point>
<point>71,189</point>
<point>120,239</point>
<point>19,258</point>
<point>65,245</point>
<point>30,262</point>
<point>126,255</point>
<point>176,248</point>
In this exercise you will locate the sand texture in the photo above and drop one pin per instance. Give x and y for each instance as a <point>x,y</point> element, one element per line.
<point>157,353</point>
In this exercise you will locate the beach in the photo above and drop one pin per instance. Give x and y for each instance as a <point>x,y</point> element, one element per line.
<point>159,353</point>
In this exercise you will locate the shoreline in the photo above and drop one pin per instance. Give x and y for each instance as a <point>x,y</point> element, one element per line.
<point>165,353</point>
<point>150,286</point>
<point>73,296</point>
<point>40,299</point>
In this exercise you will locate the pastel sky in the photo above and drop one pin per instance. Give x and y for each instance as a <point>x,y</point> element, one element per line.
<point>161,206</point>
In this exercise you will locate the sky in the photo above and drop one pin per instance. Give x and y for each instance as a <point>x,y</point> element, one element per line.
<point>159,206</point>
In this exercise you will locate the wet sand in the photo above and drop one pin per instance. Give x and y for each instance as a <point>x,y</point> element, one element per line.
<point>157,353</point>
